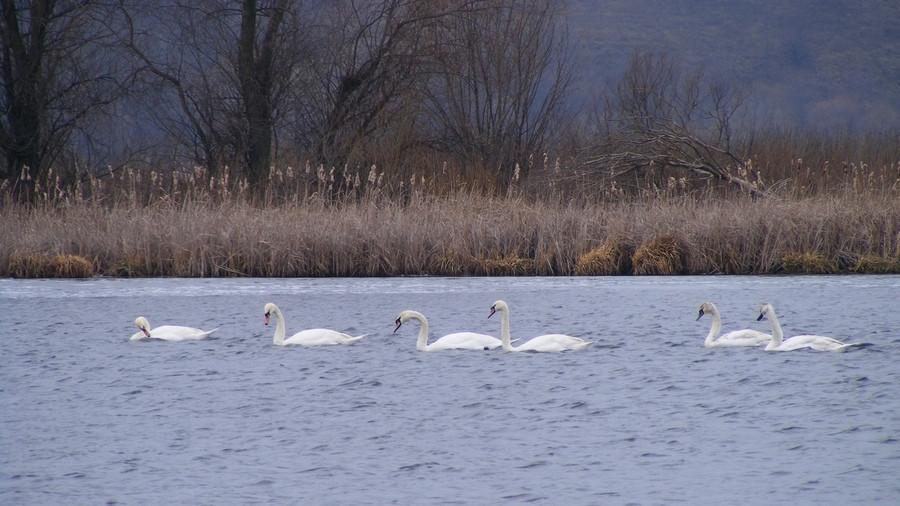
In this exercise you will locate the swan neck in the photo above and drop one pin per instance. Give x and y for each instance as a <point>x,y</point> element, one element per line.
<point>279,329</point>
<point>777,334</point>
<point>714,330</point>
<point>504,330</point>
<point>422,341</point>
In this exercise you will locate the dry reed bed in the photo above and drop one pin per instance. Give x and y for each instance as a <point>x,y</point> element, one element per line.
<point>458,235</point>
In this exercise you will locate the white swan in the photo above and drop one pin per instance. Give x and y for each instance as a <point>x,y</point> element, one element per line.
<point>168,332</point>
<point>311,337</point>
<point>455,341</point>
<point>745,337</point>
<point>778,343</point>
<point>547,342</point>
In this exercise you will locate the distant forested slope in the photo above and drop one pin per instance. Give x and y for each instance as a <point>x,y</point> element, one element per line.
<point>808,63</point>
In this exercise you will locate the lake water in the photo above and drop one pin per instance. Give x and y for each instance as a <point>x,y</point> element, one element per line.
<point>644,416</point>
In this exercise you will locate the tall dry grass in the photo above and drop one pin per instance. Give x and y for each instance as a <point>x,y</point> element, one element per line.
<point>802,163</point>
<point>820,217</point>
<point>459,234</point>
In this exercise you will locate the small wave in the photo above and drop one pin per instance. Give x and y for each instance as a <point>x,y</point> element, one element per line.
<point>851,430</point>
<point>413,467</point>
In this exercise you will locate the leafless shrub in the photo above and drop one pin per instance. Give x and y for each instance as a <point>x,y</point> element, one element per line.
<point>504,74</point>
<point>661,122</point>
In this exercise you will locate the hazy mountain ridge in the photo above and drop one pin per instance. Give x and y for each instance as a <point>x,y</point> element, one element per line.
<point>819,63</point>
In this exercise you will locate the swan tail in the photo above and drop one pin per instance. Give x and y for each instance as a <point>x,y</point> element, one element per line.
<point>355,339</point>
<point>207,333</point>
<point>848,346</point>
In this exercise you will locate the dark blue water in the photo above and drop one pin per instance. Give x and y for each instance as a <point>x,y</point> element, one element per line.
<point>645,416</point>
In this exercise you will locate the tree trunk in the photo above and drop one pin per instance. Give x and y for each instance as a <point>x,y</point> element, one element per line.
<point>21,134</point>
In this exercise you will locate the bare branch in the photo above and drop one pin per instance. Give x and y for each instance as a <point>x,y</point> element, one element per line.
<point>661,118</point>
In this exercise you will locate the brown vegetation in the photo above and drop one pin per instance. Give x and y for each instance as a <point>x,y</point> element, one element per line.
<point>808,263</point>
<point>38,265</point>
<point>406,230</point>
<point>877,265</point>
<point>662,255</point>
<point>612,257</point>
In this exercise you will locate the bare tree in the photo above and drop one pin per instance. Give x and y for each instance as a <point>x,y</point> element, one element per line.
<point>353,81</point>
<point>58,71</point>
<point>363,90</point>
<point>506,70</point>
<point>224,67</point>
<point>660,117</point>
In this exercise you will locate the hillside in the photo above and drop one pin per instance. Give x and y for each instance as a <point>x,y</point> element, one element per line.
<point>809,63</point>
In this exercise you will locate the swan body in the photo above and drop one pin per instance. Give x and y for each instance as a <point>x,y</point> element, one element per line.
<point>745,337</point>
<point>168,332</point>
<point>778,343</point>
<point>544,343</point>
<point>455,341</point>
<point>311,337</point>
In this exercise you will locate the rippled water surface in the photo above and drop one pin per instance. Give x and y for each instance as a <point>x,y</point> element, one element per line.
<point>644,416</point>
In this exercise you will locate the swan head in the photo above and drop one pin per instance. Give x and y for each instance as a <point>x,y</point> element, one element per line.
<point>498,306</point>
<point>270,309</point>
<point>143,324</point>
<point>407,315</point>
<point>404,316</point>
<point>765,310</point>
<point>707,307</point>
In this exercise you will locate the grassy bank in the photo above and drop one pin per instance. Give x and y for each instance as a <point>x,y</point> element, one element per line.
<point>460,234</point>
